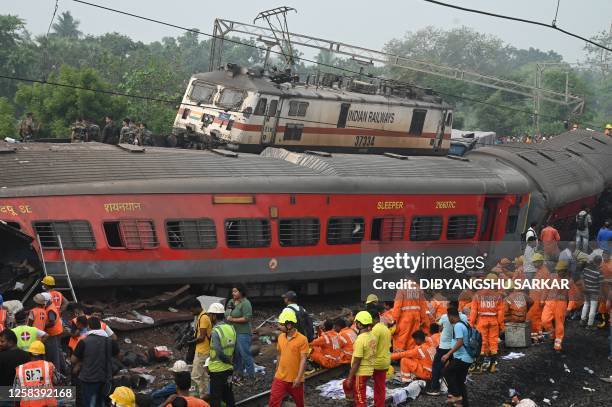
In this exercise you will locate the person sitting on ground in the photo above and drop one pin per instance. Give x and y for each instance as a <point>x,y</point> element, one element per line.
<point>418,361</point>
<point>326,350</point>
<point>434,334</point>
<point>160,395</point>
<point>182,380</point>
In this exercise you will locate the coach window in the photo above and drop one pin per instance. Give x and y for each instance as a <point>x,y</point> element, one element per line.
<point>345,230</point>
<point>133,234</point>
<point>425,228</point>
<point>297,108</point>
<point>512,222</point>
<point>202,93</point>
<point>461,227</point>
<point>293,131</point>
<point>298,232</point>
<point>247,232</point>
<point>191,233</point>
<point>230,98</point>
<point>387,229</point>
<point>418,121</point>
<point>272,108</point>
<point>75,234</point>
<point>260,109</point>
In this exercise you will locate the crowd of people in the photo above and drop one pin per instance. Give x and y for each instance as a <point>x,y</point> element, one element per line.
<point>438,340</point>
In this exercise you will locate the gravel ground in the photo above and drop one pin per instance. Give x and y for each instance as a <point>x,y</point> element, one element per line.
<point>530,375</point>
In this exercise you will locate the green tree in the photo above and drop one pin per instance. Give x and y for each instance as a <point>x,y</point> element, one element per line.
<point>57,107</point>
<point>16,53</point>
<point>7,119</point>
<point>67,26</point>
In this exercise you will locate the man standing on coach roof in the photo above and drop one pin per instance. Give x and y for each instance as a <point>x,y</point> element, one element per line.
<point>292,349</point>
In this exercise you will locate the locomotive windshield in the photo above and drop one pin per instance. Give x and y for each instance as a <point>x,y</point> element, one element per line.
<point>230,98</point>
<point>203,93</point>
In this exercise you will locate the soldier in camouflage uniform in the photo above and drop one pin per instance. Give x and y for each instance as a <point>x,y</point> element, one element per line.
<point>145,136</point>
<point>127,134</point>
<point>79,131</point>
<point>28,127</point>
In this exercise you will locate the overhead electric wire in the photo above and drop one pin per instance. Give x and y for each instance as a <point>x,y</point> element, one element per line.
<point>521,20</point>
<point>230,40</point>
<point>174,102</point>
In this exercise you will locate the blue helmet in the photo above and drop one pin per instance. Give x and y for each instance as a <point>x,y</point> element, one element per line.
<point>1,299</point>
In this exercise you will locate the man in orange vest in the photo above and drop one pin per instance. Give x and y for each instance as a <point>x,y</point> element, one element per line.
<point>37,373</point>
<point>534,315</point>
<point>549,236</point>
<point>346,338</point>
<point>488,316</point>
<point>58,299</point>
<point>410,312</point>
<point>418,361</point>
<point>51,324</point>
<point>516,305</point>
<point>326,348</point>
<point>555,306</point>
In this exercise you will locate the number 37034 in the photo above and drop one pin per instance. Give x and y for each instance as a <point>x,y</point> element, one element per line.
<point>364,141</point>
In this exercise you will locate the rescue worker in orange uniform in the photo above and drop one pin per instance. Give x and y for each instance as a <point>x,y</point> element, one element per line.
<point>437,306</point>
<point>418,361</point>
<point>346,337</point>
<point>555,306</point>
<point>78,331</point>
<point>37,373</point>
<point>487,315</point>
<point>326,350</point>
<point>47,318</point>
<point>410,314</point>
<point>534,315</point>
<point>465,301</point>
<point>58,299</point>
<point>516,305</point>
<point>387,317</point>
<point>549,236</point>
<point>434,334</point>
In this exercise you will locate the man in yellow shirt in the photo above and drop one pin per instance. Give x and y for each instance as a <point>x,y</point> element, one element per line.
<point>382,360</point>
<point>362,364</point>
<point>202,332</point>
<point>292,349</point>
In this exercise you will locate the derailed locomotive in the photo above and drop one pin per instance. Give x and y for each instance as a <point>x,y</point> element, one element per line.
<point>247,110</point>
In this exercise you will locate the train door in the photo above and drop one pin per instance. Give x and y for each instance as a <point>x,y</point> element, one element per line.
<point>488,222</point>
<point>270,121</point>
<point>440,131</point>
<point>344,109</point>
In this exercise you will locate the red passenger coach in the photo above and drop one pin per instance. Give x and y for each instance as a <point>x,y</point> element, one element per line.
<point>176,216</point>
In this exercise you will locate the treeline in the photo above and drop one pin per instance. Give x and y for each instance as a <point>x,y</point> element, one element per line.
<point>161,69</point>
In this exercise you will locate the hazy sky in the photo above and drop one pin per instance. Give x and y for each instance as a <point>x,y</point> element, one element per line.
<point>359,22</point>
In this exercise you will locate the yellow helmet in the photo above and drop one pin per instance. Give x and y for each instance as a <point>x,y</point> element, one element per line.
<point>537,257</point>
<point>287,316</point>
<point>608,126</point>
<point>371,298</point>
<point>561,265</point>
<point>123,397</point>
<point>518,261</point>
<point>364,318</point>
<point>49,281</point>
<point>37,348</point>
<point>491,276</point>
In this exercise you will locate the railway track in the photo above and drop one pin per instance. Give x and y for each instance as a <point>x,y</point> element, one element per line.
<point>261,399</point>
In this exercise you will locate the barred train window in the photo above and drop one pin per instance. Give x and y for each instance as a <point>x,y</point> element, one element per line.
<point>133,234</point>
<point>75,234</point>
<point>191,233</point>
<point>345,230</point>
<point>387,229</point>
<point>298,232</point>
<point>297,108</point>
<point>260,109</point>
<point>461,227</point>
<point>425,228</point>
<point>247,232</point>
<point>293,131</point>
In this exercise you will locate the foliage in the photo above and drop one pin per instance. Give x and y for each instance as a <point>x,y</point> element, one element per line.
<point>7,119</point>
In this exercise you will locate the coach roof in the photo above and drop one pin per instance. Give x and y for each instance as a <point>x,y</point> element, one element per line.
<point>38,169</point>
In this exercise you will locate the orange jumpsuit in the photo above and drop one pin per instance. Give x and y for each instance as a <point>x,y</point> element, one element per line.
<point>555,305</point>
<point>417,361</point>
<point>516,306</point>
<point>534,315</point>
<point>549,237</point>
<point>435,339</point>
<point>326,350</point>
<point>410,313</point>
<point>346,337</point>
<point>465,301</point>
<point>488,316</point>
<point>576,298</point>
<point>437,308</point>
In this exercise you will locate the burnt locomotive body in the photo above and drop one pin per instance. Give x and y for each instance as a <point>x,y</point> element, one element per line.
<point>248,112</point>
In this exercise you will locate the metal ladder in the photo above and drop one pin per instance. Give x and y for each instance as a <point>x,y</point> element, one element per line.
<point>63,276</point>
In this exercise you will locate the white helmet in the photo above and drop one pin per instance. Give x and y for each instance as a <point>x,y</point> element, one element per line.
<point>179,366</point>
<point>42,298</point>
<point>216,308</point>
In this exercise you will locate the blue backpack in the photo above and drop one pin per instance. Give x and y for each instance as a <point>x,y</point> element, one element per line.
<point>473,342</point>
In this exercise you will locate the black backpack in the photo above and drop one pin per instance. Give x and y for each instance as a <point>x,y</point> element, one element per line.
<point>473,342</point>
<point>304,325</point>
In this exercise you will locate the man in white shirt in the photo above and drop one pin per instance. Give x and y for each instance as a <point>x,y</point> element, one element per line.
<point>528,266</point>
<point>532,232</point>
